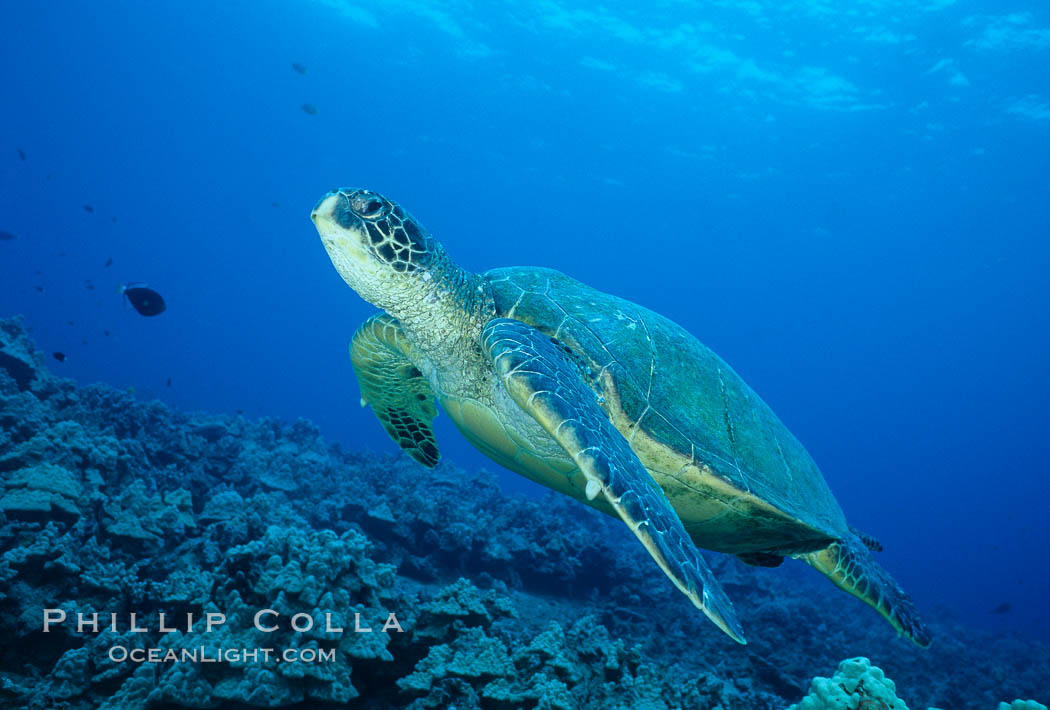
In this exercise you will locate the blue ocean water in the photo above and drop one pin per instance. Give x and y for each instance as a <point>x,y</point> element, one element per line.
<point>848,203</point>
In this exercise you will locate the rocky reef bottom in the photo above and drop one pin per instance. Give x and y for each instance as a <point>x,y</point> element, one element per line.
<point>146,524</point>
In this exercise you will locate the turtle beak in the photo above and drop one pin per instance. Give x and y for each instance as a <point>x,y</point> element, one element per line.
<point>326,207</point>
<point>340,230</point>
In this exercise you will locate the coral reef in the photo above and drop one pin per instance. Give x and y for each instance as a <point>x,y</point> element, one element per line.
<point>857,685</point>
<point>472,598</point>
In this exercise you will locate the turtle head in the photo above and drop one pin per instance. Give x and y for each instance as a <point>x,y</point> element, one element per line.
<point>379,249</point>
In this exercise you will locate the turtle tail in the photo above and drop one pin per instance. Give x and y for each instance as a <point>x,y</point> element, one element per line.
<point>849,564</point>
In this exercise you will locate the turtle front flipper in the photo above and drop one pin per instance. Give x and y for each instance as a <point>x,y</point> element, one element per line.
<point>399,394</point>
<point>849,564</point>
<point>545,383</point>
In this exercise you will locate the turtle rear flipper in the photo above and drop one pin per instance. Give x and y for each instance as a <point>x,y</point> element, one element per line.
<point>849,564</point>
<point>547,386</point>
<point>399,394</point>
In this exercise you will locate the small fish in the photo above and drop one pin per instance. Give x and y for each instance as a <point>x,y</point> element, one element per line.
<point>69,322</point>
<point>301,68</point>
<point>89,286</point>
<point>1003,608</point>
<point>275,204</point>
<point>109,262</point>
<point>89,208</point>
<point>106,333</point>
<point>143,299</point>
<point>21,154</point>
<point>6,236</point>
<point>39,288</point>
<point>83,341</point>
<point>60,356</point>
<point>310,109</point>
<point>169,382</point>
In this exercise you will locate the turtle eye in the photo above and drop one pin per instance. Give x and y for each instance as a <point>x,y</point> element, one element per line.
<point>367,204</point>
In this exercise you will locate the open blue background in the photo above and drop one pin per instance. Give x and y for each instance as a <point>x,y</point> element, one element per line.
<point>850,206</point>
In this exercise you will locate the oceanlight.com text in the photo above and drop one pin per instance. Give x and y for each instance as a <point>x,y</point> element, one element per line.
<point>202,654</point>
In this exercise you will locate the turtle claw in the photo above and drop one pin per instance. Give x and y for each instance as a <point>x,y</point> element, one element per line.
<point>592,490</point>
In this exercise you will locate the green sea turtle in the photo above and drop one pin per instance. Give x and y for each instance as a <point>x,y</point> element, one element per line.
<point>595,397</point>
